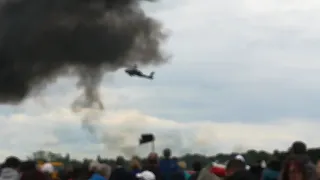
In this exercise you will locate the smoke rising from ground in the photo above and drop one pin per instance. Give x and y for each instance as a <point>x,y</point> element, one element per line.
<point>41,40</point>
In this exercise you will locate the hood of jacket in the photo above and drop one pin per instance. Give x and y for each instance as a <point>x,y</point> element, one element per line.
<point>9,174</point>
<point>205,174</point>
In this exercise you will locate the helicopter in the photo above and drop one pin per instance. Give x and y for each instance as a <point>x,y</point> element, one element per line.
<point>134,71</point>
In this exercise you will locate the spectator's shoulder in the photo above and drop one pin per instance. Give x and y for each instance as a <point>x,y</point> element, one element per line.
<point>205,174</point>
<point>311,170</point>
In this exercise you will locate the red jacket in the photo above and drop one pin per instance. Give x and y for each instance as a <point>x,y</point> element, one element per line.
<point>219,171</point>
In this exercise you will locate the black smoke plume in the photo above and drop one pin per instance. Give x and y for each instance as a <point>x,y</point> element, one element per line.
<point>41,40</point>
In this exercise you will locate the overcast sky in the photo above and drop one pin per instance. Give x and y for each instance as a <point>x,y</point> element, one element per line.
<point>244,74</point>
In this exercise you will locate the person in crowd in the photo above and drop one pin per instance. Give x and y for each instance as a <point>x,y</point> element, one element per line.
<point>236,170</point>
<point>29,171</point>
<point>241,158</point>
<point>196,166</point>
<point>48,171</point>
<point>183,167</point>
<point>81,173</point>
<point>101,173</point>
<point>93,166</point>
<point>24,166</point>
<point>256,169</point>
<point>135,166</point>
<point>205,174</point>
<point>272,171</point>
<point>152,164</point>
<point>10,169</point>
<point>153,156</point>
<point>294,169</point>
<point>146,175</point>
<point>66,173</point>
<point>179,174</point>
<point>218,169</point>
<point>168,165</point>
<point>107,170</point>
<point>299,150</point>
<point>318,169</point>
<point>120,173</point>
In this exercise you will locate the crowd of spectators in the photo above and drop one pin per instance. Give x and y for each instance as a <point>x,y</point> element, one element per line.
<point>297,166</point>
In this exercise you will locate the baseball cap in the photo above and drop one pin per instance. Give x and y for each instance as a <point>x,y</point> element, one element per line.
<point>239,157</point>
<point>47,167</point>
<point>146,175</point>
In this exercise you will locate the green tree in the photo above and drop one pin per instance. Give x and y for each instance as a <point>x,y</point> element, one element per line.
<point>251,156</point>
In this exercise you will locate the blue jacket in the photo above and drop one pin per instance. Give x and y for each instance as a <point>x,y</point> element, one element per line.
<point>168,168</point>
<point>97,177</point>
<point>135,172</point>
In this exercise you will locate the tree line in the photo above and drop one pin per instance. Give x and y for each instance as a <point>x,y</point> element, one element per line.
<point>251,156</point>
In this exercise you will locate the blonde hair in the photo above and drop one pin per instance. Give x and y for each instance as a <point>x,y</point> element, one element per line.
<point>135,164</point>
<point>318,168</point>
<point>182,164</point>
<point>93,166</point>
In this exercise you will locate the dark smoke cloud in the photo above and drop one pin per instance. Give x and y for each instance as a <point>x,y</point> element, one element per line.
<point>41,40</point>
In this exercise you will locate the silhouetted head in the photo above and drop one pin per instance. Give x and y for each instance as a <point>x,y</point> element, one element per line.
<point>120,161</point>
<point>298,147</point>
<point>196,166</point>
<point>167,153</point>
<point>12,162</point>
<point>135,164</point>
<point>152,158</point>
<point>235,165</point>
<point>175,159</point>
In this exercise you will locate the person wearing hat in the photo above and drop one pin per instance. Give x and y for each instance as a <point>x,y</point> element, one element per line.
<point>241,158</point>
<point>146,175</point>
<point>236,169</point>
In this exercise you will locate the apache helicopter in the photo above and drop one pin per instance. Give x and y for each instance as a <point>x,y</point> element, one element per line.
<point>133,71</point>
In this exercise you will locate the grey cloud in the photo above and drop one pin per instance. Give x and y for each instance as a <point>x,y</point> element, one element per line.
<point>232,63</point>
